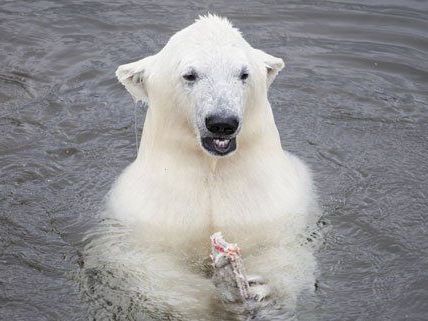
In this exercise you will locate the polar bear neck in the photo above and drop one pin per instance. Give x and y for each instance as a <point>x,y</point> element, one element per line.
<point>169,140</point>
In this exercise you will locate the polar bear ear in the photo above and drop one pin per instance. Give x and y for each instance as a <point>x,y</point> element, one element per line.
<point>134,77</point>
<point>273,65</point>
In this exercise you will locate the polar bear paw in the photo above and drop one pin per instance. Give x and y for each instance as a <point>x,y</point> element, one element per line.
<point>259,289</point>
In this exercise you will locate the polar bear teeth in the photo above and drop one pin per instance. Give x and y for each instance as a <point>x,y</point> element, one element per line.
<point>221,143</point>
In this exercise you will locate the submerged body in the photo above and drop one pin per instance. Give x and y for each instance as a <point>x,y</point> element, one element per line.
<point>195,176</point>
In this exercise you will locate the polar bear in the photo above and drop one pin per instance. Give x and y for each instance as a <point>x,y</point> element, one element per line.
<point>210,159</point>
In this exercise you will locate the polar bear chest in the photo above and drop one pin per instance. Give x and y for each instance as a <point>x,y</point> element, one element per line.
<point>173,204</point>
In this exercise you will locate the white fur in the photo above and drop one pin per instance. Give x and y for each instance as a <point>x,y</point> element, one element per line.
<point>177,194</point>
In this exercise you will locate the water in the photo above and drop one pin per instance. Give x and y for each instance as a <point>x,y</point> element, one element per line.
<point>352,102</point>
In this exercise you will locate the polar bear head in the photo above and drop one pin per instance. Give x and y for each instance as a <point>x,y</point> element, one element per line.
<point>209,78</point>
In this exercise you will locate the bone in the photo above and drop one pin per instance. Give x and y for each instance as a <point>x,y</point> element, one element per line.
<point>229,274</point>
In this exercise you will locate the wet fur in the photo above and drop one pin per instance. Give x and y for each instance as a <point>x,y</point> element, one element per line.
<point>176,195</point>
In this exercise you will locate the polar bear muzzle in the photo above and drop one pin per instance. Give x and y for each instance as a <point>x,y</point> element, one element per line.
<point>221,129</point>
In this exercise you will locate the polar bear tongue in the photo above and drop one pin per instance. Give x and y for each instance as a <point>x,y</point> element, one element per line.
<point>221,143</point>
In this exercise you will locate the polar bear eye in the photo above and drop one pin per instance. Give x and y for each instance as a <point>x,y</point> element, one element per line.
<point>191,76</point>
<point>244,75</point>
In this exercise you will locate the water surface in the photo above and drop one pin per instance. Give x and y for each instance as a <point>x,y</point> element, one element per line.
<point>352,102</point>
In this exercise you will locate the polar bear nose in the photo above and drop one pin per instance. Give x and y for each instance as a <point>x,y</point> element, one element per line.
<point>217,124</point>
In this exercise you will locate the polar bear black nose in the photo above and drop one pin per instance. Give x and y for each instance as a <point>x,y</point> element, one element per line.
<point>221,125</point>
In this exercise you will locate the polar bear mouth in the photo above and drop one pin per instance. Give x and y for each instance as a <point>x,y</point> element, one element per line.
<point>219,146</point>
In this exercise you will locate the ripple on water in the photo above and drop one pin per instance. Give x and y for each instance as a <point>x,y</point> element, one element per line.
<point>352,102</point>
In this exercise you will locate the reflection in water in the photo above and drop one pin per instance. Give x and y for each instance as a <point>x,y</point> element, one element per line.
<point>351,102</point>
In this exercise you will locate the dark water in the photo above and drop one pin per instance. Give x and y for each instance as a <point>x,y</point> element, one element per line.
<point>352,102</point>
